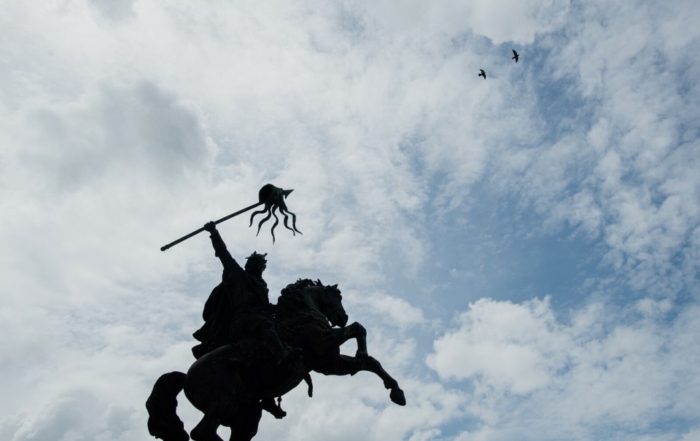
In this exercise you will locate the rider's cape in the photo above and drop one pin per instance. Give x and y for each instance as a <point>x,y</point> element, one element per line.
<point>237,294</point>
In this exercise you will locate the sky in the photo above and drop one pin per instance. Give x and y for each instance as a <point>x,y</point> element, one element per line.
<point>524,250</point>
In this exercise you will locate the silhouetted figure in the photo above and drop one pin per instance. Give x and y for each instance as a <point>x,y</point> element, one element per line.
<point>482,73</point>
<point>516,57</point>
<point>239,307</point>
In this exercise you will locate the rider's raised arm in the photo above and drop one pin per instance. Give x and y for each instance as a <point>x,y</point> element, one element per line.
<point>220,247</point>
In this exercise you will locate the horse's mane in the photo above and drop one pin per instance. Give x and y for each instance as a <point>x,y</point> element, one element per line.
<point>294,289</point>
<point>291,299</point>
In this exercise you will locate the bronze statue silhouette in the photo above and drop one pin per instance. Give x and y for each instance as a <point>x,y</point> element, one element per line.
<point>251,351</point>
<point>482,73</point>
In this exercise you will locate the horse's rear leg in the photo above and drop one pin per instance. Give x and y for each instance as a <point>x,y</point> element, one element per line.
<point>244,424</point>
<point>206,429</point>
<point>242,417</point>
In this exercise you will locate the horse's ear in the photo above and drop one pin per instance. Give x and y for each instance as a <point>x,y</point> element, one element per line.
<point>335,286</point>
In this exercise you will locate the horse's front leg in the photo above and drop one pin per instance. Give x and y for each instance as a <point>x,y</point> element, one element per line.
<point>346,365</point>
<point>371,364</point>
<point>356,331</point>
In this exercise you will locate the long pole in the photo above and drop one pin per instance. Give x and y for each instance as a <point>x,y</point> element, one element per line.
<point>194,233</point>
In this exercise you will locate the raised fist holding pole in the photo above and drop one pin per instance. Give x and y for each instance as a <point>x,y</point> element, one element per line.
<point>273,198</point>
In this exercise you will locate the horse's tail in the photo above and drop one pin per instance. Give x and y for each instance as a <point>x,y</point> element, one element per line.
<point>163,421</point>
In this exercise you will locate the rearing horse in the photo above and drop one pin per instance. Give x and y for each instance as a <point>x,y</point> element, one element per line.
<point>310,316</point>
<point>307,313</point>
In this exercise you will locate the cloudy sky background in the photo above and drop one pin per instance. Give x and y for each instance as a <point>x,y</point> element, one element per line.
<point>524,250</point>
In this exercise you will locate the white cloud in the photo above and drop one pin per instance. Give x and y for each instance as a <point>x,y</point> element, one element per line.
<point>357,409</point>
<point>496,341</point>
<point>76,415</point>
<point>396,311</point>
<point>109,132</point>
<point>693,435</point>
<point>500,21</point>
<point>113,10</point>
<point>592,373</point>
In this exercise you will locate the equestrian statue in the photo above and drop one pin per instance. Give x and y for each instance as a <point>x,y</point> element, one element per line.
<point>252,352</point>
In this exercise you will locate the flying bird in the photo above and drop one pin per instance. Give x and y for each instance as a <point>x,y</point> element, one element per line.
<point>482,74</point>
<point>515,56</point>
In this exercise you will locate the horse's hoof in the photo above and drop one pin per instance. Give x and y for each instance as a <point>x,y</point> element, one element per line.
<point>397,396</point>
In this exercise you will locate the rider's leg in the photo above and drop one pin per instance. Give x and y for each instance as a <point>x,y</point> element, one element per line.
<point>269,405</point>
<point>268,334</point>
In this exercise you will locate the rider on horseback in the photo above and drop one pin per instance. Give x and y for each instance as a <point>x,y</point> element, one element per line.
<point>239,307</point>
<point>233,380</point>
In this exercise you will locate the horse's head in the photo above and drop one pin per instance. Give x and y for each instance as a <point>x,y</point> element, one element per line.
<point>329,302</point>
<point>306,294</point>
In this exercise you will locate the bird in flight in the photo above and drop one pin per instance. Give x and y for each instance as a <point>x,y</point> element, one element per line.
<point>515,56</point>
<point>482,73</point>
